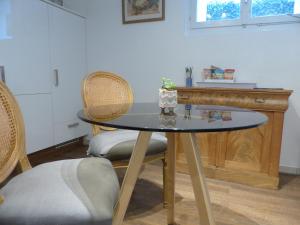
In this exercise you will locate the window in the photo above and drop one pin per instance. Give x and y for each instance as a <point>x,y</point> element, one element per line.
<point>214,13</point>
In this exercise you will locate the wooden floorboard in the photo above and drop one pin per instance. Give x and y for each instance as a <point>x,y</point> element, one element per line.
<point>232,204</point>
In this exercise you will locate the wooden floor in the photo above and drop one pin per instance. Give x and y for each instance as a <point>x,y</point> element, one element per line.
<point>233,204</point>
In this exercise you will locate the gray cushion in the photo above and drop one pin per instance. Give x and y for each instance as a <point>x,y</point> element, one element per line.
<point>118,145</point>
<point>69,192</point>
<point>123,150</point>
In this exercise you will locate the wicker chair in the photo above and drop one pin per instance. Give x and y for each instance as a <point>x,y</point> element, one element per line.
<point>103,88</point>
<point>79,191</point>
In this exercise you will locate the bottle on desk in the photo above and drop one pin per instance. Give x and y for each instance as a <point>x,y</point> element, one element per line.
<point>189,78</point>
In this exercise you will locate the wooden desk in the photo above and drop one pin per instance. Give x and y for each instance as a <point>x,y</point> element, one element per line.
<point>249,156</point>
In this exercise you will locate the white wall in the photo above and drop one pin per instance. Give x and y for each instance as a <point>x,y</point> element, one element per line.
<point>145,52</point>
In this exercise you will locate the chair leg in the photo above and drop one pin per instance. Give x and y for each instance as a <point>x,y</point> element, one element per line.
<point>165,202</point>
<point>1,199</point>
<point>23,165</point>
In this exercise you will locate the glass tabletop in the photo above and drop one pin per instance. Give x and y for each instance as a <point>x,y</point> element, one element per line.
<point>185,118</point>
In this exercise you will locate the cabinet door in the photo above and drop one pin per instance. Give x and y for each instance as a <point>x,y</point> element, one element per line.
<point>248,150</point>
<point>24,46</point>
<point>208,146</point>
<point>68,59</point>
<point>37,114</point>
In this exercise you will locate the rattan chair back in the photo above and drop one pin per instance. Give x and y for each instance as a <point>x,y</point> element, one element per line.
<point>12,134</point>
<point>104,88</point>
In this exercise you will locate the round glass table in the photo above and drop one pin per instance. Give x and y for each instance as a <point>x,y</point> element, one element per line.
<point>186,120</point>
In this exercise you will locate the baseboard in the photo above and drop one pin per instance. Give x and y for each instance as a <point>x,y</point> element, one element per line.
<point>67,150</point>
<point>289,170</point>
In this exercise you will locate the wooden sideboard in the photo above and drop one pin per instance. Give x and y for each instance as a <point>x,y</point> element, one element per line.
<point>248,156</point>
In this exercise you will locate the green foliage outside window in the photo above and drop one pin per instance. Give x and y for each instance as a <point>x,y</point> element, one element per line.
<point>228,10</point>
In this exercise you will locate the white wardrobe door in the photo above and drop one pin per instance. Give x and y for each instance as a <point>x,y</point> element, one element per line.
<point>68,58</point>
<point>37,114</point>
<point>24,50</point>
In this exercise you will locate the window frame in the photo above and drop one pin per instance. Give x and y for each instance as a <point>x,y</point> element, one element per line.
<point>244,20</point>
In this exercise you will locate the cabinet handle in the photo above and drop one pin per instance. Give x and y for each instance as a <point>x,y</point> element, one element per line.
<point>260,100</point>
<point>73,125</point>
<point>56,78</point>
<point>2,72</point>
<point>184,97</point>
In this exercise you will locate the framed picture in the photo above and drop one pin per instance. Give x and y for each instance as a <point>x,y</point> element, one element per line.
<point>136,11</point>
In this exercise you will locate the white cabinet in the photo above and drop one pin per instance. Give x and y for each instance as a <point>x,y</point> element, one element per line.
<point>69,130</point>
<point>25,55</point>
<point>37,114</point>
<point>68,62</point>
<point>25,52</point>
<point>37,38</point>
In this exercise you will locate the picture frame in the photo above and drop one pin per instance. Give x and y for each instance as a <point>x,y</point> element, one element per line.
<point>138,11</point>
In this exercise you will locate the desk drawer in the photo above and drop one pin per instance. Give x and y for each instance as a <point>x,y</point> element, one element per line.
<point>247,100</point>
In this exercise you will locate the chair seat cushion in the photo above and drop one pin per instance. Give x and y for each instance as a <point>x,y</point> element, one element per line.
<point>119,144</point>
<point>68,192</point>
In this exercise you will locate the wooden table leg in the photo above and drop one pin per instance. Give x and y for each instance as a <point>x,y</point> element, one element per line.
<point>193,157</point>
<point>170,192</point>
<point>131,176</point>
